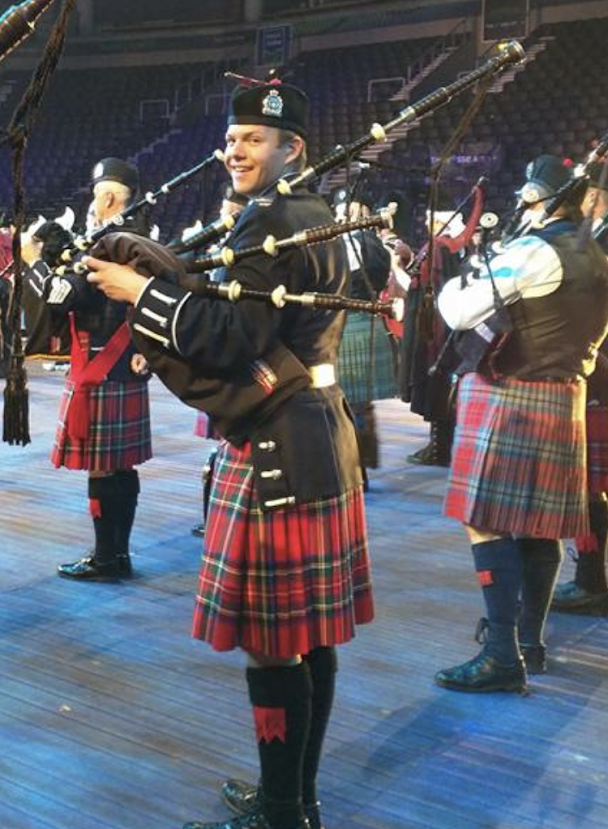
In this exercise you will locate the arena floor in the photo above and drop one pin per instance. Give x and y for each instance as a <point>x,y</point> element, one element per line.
<point>112,717</point>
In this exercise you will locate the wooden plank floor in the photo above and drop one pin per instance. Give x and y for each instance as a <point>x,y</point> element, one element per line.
<point>111,716</point>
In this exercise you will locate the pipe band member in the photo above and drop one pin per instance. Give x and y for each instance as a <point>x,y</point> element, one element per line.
<point>587,593</point>
<point>518,473</point>
<point>104,417</point>
<point>285,571</point>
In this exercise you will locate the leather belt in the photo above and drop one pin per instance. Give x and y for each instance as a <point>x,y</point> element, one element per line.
<point>322,375</point>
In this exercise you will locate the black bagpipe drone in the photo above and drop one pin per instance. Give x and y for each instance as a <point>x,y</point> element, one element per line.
<point>101,242</point>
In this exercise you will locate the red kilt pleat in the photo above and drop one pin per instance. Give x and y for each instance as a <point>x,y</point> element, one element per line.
<point>518,461</point>
<point>119,430</point>
<point>281,582</point>
<point>597,449</point>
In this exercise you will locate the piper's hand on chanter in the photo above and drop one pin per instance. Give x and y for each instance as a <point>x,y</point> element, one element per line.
<point>119,282</point>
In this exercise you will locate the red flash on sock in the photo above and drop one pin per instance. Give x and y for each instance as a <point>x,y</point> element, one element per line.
<point>587,544</point>
<point>95,507</point>
<point>485,578</point>
<point>269,724</point>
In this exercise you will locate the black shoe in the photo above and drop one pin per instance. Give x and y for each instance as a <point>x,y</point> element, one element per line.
<point>198,530</point>
<point>124,565</point>
<point>255,819</point>
<point>242,797</point>
<point>484,674</point>
<point>535,658</point>
<point>429,455</point>
<point>570,598</point>
<point>89,569</point>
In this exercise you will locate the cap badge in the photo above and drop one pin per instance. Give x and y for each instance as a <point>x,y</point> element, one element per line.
<point>98,171</point>
<point>272,104</point>
<point>530,194</point>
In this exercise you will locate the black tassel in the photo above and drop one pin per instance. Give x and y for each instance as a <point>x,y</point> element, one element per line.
<point>16,403</point>
<point>426,316</point>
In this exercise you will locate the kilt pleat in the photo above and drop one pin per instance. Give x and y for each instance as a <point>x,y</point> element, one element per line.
<point>518,461</point>
<point>119,431</point>
<point>597,449</point>
<point>361,380</point>
<point>279,582</point>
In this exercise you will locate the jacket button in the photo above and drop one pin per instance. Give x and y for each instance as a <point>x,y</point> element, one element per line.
<point>268,445</point>
<point>275,474</point>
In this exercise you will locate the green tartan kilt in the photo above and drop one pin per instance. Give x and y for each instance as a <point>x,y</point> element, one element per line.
<point>366,363</point>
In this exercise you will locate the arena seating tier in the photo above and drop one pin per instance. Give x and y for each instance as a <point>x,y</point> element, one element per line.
<point>558,104</point>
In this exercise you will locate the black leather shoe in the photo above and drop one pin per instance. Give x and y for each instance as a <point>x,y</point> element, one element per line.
<point>483,674</point>
<point>535,658</point>
<point>124,565</point>
<point>89,569</point>
<point>242,797</point>
<point>429,456</point>
<point>570,598</point>
<point>255,819</point>
<point>198,530</point>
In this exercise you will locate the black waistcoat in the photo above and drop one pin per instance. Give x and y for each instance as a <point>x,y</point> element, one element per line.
<point>557,336</point>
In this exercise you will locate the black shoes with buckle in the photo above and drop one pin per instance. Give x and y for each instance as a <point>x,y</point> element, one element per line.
<point>254,819</point>
<point>242,797</point>
<point>484,674</point>
<point>89,569</point>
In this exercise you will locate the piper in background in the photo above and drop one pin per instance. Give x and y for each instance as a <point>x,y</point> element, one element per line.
<point>587,593</point>
<point>104,418</point>
<point>518,472</point>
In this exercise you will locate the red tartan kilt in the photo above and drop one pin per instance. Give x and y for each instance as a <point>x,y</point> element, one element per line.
<point>119,430</point>
<point>518,460</point>
<point>597,449</point>
<point>279,582</point>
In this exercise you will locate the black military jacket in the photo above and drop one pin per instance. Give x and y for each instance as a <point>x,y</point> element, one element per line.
<point>247,364</point>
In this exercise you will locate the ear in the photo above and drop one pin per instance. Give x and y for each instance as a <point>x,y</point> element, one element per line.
<point>296,145</point>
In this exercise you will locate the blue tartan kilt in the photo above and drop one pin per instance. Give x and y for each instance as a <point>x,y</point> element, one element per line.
<point>119,428</point>
<point>279,582</point>
<point>518,460</point>
<point>366,372</point>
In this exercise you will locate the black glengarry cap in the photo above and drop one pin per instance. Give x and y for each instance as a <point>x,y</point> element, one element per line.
<point>272,105</point>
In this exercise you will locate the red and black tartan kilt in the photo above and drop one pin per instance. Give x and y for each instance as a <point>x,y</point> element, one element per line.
<point>597,449</point>
<point>518,461</point>
<point>280,582</point>
<point>119,431</point>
